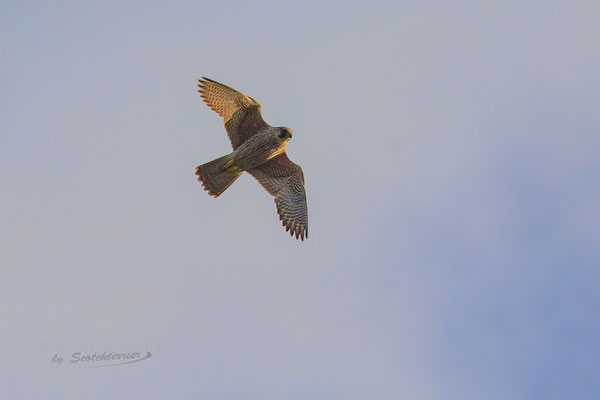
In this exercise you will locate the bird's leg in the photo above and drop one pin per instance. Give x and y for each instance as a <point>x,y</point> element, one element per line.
<point>230,167</point>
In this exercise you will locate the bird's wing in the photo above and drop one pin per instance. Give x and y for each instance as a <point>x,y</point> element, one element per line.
<point>285,180</point>
<point>241,114</point>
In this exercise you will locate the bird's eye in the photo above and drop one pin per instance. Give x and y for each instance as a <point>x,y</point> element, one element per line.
<point>282,134</point>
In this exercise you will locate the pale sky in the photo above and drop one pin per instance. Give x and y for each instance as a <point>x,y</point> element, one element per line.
<point>451,158</point>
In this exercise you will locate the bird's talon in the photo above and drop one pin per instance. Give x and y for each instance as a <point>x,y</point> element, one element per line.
<point>230,166</point>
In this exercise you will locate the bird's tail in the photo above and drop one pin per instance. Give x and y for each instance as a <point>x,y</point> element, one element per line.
<point>214,178</point>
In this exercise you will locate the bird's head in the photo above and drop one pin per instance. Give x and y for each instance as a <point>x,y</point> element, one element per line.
<point>285,134</point>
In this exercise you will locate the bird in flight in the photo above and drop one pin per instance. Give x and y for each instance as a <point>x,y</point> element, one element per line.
<point>259,149</point>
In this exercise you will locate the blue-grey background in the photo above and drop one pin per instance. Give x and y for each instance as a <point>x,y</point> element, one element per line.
<point>451,156</point>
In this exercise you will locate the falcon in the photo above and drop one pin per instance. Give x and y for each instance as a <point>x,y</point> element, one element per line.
<point>259,149</point>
